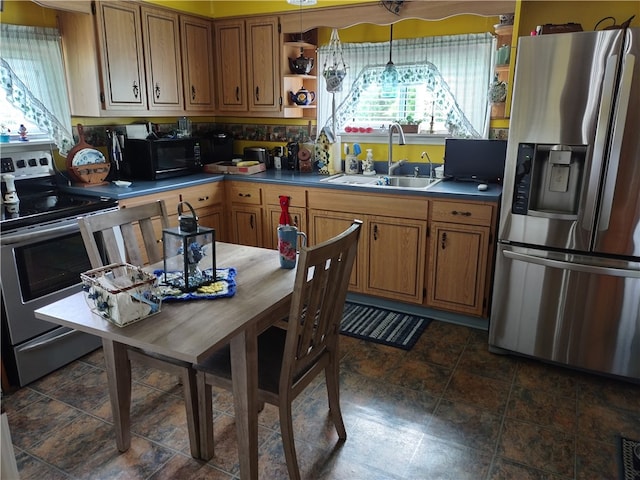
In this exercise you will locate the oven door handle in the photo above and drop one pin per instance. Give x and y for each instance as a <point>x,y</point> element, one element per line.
<point>48,341</point>
<point>38,234</point>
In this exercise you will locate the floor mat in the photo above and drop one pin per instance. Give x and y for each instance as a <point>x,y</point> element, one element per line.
<point>382,326</point>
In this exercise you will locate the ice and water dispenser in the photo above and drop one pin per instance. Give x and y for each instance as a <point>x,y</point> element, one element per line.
<point>549,180</point>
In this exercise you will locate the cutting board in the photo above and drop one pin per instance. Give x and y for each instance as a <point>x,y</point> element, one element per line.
<point>86,165</point>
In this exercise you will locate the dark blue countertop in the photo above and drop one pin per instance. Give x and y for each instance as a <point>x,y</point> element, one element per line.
<point>449,189</point>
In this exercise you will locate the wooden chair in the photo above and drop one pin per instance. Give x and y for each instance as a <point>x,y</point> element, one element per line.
<point>289,359</point>
<point>128,235</point>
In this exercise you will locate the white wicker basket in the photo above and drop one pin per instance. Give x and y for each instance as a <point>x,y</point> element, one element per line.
<point>121,293</point>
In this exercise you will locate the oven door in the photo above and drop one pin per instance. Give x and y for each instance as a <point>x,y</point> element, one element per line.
<point>40,267</point>
<point>38,270</point>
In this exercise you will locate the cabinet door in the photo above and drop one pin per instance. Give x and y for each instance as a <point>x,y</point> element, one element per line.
<point>163,63</point>
<point>231,72</point>
<point>457,267</point>
<point>324,225</point>
<point>395,258</point>
<point>213,217</point>
<point>298,217</point>
<point>197,64</point>
<point>246,225</point>
<point>120,40</point>
<point>263,54</point>
<point>208,202</point>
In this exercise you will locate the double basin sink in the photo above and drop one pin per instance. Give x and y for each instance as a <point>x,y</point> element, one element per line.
<point>383,181</point>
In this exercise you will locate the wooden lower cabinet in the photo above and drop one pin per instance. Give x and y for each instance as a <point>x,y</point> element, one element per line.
<point>394,252</point>
<point>297,210</point>
<point>207,200</point>
<point>431,251</point>
<point>298,218</point>
<point>324,225</point>
<point>460,255</point>
<point>390,261</point>
<point>244,200</point>
<point>246,225</point>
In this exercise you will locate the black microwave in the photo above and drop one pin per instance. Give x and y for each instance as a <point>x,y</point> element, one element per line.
<point>146,159</point>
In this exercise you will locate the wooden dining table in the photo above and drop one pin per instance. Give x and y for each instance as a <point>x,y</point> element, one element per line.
<point>190,331</point>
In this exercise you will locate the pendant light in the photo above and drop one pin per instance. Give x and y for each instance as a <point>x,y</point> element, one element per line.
<point>390,74</point>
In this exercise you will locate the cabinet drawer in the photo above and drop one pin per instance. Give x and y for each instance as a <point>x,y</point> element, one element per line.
<point>456,212</point>
<point>203,195</point>
<point>388,205</point>
<point>297,195</point>
<point>244,193</point>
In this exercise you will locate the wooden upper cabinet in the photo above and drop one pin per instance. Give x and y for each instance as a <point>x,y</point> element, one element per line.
<point>130,59</point>
<point>120,41</point>
<point>263,73</point>
<point>231,71</point>
<point>247,65</point>
<point>197,63</point>
<point>161,40</point>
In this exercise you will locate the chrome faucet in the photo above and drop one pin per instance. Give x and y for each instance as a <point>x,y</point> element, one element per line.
<point>425,154</point>
<point>401,141</point>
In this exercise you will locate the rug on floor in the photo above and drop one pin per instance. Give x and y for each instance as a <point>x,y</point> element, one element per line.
<point>382,326</point>
<point>629,459</point>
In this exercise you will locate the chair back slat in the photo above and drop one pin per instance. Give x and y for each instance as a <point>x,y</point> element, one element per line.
<point>133,226</point>
<point>320,290</point>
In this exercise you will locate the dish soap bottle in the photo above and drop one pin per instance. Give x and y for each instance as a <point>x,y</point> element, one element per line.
<point>367,164</point>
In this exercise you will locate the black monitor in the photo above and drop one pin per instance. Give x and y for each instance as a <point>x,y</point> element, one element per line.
<point>474,159</point>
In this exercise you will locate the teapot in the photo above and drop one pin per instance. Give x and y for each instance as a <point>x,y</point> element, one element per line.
<point>301,65</point>
<point>302,97</point>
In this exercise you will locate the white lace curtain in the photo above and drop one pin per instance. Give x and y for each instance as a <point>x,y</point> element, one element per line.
<point>464,62</point>
<point>32,78</point>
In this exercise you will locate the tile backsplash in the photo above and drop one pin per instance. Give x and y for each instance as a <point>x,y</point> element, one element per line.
<point>97,135</point>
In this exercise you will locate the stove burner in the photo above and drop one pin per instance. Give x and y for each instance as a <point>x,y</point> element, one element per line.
<point>54,206</point>
<point>41,201</point>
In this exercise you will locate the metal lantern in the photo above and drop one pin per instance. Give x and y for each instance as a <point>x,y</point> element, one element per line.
<point>189,253</point>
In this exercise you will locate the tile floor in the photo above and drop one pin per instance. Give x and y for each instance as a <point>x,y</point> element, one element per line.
<point>447,409</point>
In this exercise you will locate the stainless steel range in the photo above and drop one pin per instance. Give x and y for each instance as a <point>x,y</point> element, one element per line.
<point>42,256</point>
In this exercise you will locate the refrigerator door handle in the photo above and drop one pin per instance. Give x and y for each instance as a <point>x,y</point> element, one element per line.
<point>600,142</point>
<point>576,267</point>
<point>620,119</point>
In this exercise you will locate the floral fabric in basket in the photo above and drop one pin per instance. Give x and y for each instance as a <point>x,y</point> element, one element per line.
<point>224,286</point>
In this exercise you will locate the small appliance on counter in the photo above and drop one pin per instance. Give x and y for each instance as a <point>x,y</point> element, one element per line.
<point>259,154</point>
<point>292,156</point>
<point>215,146</point>
<point>156,159</point>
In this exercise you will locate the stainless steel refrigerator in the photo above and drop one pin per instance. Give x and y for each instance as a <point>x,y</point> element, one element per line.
<point>567,280</point>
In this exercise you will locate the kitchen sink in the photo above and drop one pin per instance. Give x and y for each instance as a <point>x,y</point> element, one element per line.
<point>383,181</point>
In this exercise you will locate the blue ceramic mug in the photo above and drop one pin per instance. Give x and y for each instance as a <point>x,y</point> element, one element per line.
<point>288,245</point>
